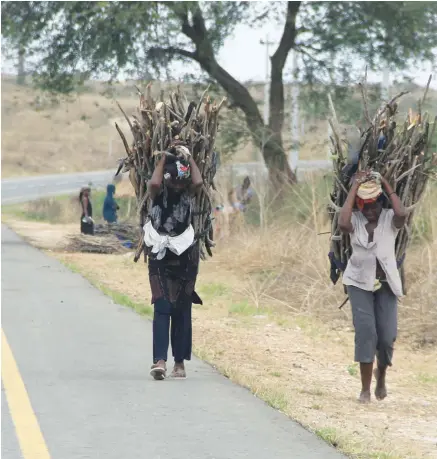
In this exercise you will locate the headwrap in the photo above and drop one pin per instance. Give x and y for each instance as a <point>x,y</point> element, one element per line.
<point>368,193</point>
<point>177,168</point>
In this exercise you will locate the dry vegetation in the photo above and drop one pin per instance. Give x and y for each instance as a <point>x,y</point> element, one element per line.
<point>42,136</point>
<point>271,322</point>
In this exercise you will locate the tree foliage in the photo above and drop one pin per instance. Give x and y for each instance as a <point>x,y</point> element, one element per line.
<point>78,40</point>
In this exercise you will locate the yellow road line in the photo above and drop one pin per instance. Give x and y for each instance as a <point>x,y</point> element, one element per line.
<point>32,443</point>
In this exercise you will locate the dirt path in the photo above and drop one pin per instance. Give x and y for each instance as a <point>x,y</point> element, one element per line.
<point>295,363</point>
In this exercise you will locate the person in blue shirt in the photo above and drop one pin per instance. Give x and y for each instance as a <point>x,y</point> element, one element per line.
<point>110,206</point>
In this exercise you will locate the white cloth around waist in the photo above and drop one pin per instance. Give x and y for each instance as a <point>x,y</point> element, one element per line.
<point>160,242</point>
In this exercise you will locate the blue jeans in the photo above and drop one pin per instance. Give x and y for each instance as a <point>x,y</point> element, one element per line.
<point>176,321</point>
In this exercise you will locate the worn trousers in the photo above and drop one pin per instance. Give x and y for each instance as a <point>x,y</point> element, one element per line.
<point>375,322</point>
<point>176,322</point>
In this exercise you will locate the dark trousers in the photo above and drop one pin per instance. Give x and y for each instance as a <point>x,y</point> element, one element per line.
<point>180,331</point>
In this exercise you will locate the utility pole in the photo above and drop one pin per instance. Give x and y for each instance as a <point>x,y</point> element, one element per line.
<point>266,43</point>
<point>295,134</point>
<point>385,84</point>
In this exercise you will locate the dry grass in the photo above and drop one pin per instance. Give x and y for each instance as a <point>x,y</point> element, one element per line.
<point>40,137</point>
<point>271,322</point>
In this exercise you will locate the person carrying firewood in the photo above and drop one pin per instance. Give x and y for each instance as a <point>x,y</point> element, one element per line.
<point>371,277</point>
<point>173,253</point>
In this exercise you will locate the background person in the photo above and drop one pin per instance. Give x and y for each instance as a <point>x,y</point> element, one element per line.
<point>110,206</point>
<point>86,218</point>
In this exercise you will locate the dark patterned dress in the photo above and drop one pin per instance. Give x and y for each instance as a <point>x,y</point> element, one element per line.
<point>174,276</point>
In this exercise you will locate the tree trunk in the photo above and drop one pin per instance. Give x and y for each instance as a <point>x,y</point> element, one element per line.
<point>276,160</point>
<point>274,154</point>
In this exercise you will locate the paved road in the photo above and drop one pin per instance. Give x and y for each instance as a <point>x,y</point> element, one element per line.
<point>17,190</point>
<point>26,188</point>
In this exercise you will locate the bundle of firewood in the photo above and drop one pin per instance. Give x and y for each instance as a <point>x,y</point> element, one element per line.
<point>160,126</point>
<point>399,149</point>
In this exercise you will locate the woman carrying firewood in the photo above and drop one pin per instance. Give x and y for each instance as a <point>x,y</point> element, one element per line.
<point>371,276</point>
<point>173,257</point>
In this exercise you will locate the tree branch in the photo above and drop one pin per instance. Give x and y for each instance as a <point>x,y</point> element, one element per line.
<point>288,36</point>
<point>171,51</point>
<point>204,56</point>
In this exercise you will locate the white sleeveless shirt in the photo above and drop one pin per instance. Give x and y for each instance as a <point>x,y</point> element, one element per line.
<point>361,268</point>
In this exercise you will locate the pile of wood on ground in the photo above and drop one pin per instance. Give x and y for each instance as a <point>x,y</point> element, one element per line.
<point>159,127</point>
<point>399,149</point>
<point>123,230</point>
<point>107,239</point>
<point>83,243</point>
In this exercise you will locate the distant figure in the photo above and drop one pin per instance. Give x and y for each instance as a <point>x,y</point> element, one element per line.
<point>86,219</point>
<point>243,195</point>
<point>110,206</point>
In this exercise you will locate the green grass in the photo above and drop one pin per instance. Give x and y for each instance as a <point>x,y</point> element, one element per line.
<point>352,369</point>
<point>329,435</point>
<point>244,308</point>
<point>213,290</point>
<point>425,378</point>
<point>275,399</point>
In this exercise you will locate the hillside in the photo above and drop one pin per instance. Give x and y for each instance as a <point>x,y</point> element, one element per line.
<point>42,135</point>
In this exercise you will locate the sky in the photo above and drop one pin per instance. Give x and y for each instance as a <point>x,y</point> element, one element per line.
<point>245,58</point>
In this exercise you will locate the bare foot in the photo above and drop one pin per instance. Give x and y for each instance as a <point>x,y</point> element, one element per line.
<point>381,389</point>
<point>364,397</point>
<point>179,371</point>
<point>158,370</point>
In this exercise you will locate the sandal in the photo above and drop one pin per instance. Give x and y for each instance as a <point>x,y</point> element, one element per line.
<point>158,371</point>
<point>178,372</point>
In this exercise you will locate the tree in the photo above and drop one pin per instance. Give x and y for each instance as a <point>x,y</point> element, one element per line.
<point>83,39</point>
<point>22,24</point>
